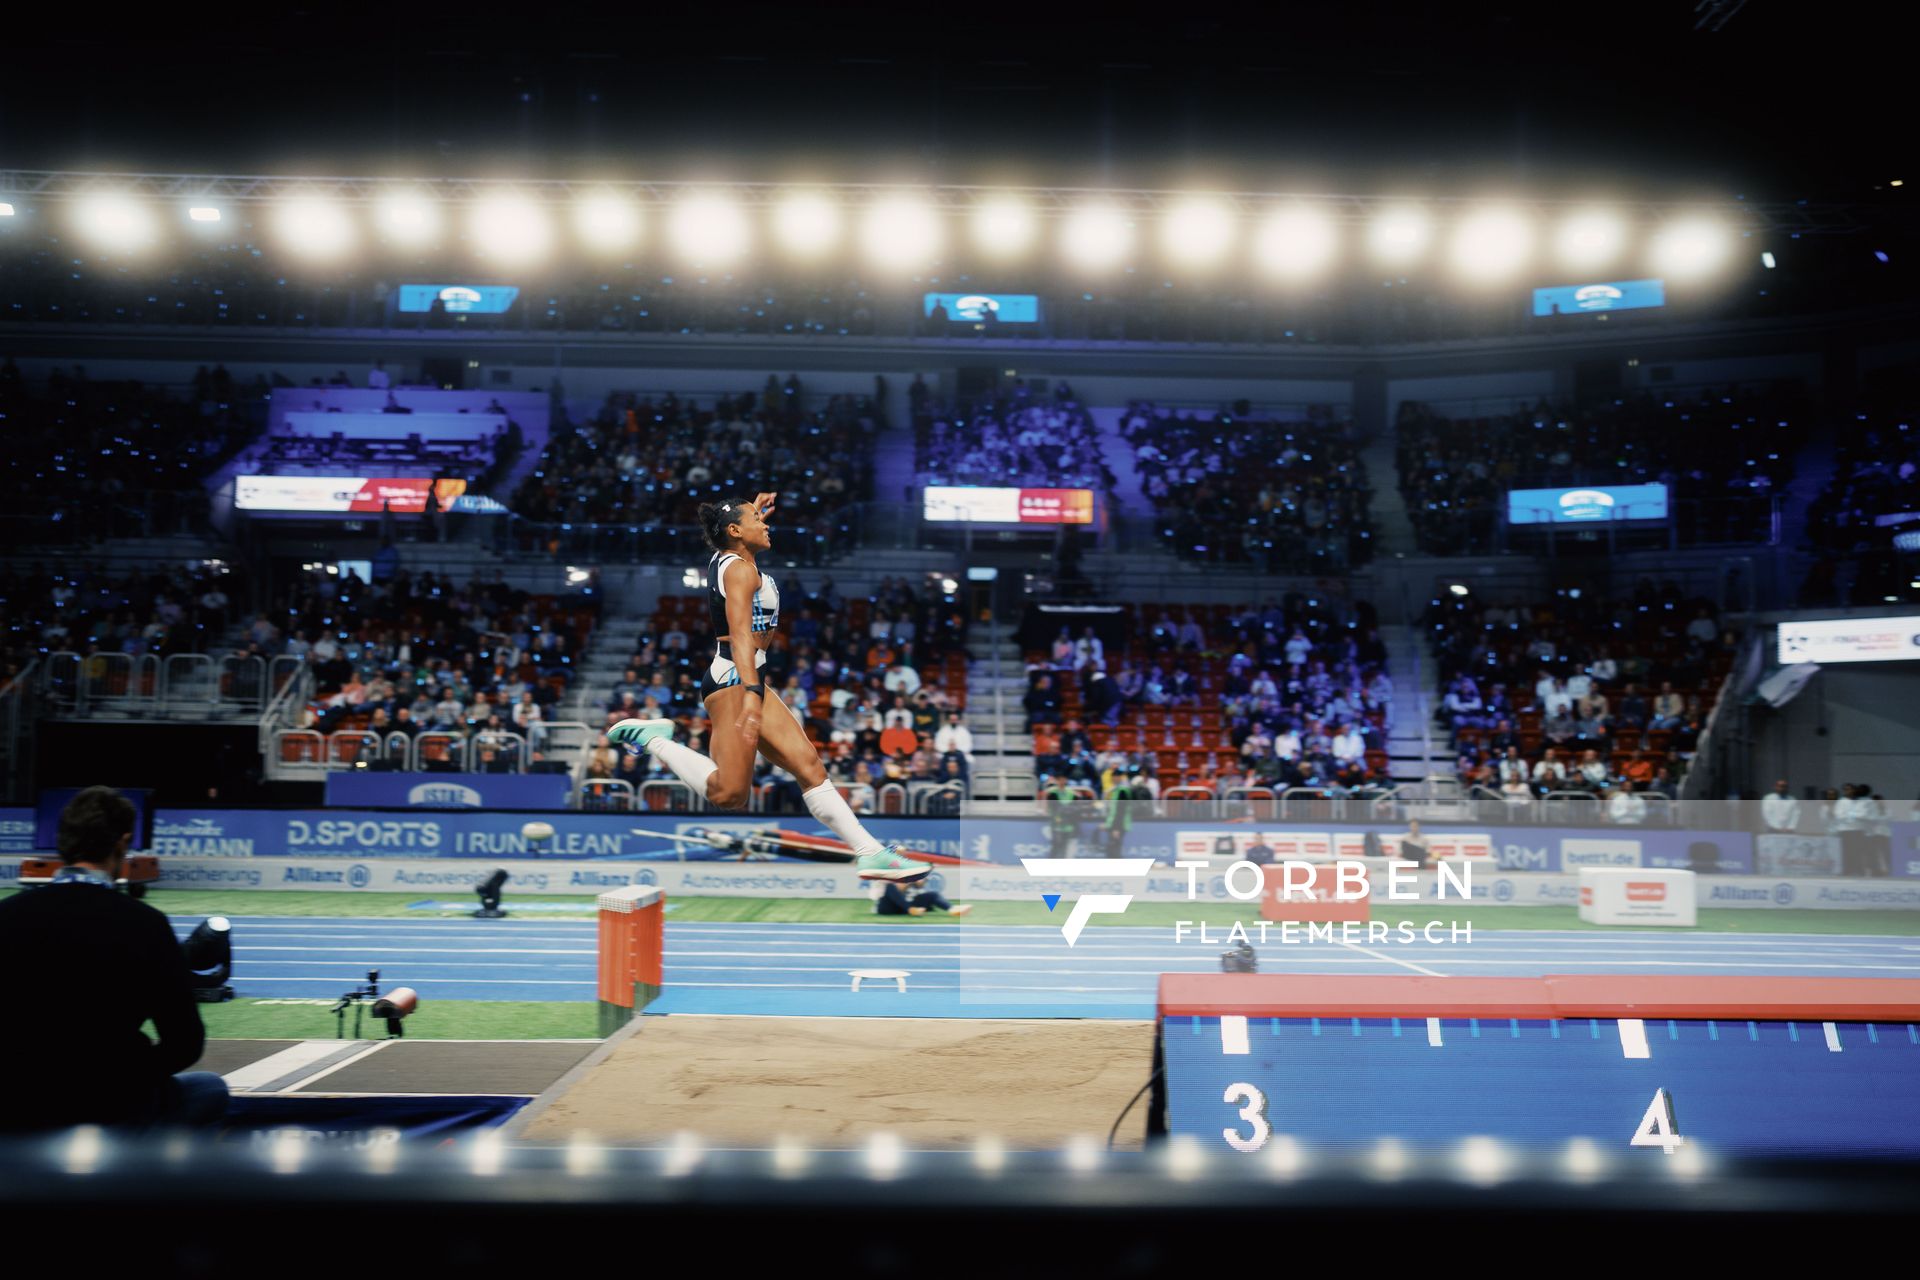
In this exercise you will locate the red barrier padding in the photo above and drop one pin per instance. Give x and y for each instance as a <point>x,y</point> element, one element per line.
<point>1280,995</point>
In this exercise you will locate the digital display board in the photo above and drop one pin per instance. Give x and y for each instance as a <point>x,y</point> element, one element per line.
<point>958,504</point>
<point>1587,504</point>
<point>341,495</point>
<point>471,299</point>
<point>1616,295</point>
<point>1826,641</point>
<point>1006,308</point>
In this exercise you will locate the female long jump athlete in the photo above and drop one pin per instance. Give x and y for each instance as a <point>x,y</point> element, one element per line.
<point>743,606</point>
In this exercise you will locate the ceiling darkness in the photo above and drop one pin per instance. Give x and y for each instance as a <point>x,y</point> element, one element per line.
<point>1786,101</point>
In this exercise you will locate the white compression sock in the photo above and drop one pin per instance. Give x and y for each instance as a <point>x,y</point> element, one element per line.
<point>824,802</point>
<point>687,764</point>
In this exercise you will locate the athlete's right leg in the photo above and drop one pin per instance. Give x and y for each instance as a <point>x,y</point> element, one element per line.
<point>725,780</point>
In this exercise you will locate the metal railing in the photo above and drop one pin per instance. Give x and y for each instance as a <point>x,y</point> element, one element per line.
<point>440,751</point>
<point>606,794</point>
<point>185,685</point>
<point>1571,808</point>
<point>947,799</point>
<point>668,795</point>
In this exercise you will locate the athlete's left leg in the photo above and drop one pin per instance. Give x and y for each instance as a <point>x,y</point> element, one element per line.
<point>784,742</point>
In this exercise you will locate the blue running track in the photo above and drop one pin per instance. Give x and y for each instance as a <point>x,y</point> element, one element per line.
<point>956,970</point>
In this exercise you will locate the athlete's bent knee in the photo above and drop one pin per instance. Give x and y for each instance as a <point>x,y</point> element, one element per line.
<point>734,798</point>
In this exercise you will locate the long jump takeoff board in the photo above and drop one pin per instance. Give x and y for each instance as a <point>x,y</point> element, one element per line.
<point>1743,1066</point>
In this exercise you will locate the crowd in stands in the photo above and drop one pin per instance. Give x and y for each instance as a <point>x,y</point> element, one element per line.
<point>1578,694</point>
<point>1874,495</point>
<point>87,459</point>
<point>479,665</point>
<point>1723,456</point>
<point>481,459</point>
<point>1292,693</point>
<point>1230,487</point>
<point>1019,436</point>
<point>1855,814</point>
<point>99,610</point>
<point>879,681</point>
<point>651,461</point>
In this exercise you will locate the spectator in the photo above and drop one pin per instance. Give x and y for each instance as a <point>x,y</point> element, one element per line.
<point>1042,703</point>
<point>913,900</point>
<point>1625,807</point>
<point>1779,810</point>
<point>120,968</point>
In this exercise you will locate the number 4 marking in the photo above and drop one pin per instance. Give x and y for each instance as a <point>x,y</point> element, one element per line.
<point>1657,1127</point>
<point>1254,1113</point>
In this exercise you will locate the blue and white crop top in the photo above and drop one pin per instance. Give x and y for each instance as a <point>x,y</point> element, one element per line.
<point>766,602</point>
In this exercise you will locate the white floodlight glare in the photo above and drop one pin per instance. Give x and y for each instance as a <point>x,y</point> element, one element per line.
<point>1399,235</point>
<point>1004,227</point>
<point>901,232</point>
<point>116,222</point>
<point>1197,232</point>
<point>1096,237</point>
<point>806,224</point>
<point>408,219</point>
<point>1296,243</point>
<point>315,227</point>
<point>1491,245</point>
<point>1589,240</point>
<point>709,230</point>
<point>511,228</point>
<point>607,222</point>
<point>1691,247</point>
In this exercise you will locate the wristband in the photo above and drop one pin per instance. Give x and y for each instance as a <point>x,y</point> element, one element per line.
<point>760,689</point>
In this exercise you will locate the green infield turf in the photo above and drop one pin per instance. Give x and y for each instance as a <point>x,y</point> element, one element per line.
<point>434,1020</point>
<point>197,902</point>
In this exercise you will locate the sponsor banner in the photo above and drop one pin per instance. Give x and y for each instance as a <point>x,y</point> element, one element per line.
<point>1605,295</point>
<point>458,299</point>
<point>1906,849</point>
<point>16,830</point>
<point>1585,505</point>
<point>968,504</point>
<point>1637,896</point>
<point>341,495</point>
<point>448,790</point>
<point>1777,854</point>
<point>1006,308</point>
<point>1828,641</point>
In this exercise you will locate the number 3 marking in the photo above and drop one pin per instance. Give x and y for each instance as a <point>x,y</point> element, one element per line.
<point>1657,1128</point>
<point>1254,1113</point>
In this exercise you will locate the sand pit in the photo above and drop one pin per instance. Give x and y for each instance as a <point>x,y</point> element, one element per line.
<point>744,1081</point>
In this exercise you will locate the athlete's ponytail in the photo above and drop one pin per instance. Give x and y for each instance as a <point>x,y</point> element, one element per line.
<point>716,516</point>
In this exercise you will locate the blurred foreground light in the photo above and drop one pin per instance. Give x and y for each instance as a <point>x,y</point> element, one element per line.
<point>606,222</point>
<point>1389,1161</point>
<point>885,1156</point>
<point>203,213</point>
<point>511,228</point>
<point>1399,235</point>
<point>1691,248</point>
<point>901,233</point>
<point>709,230</point>
<point>84,1150</point>
<point>584,1157</point>
<point>1583,1161</point>
<point>1689,1163</point>
<point>1004,227</point>
<point>1490,246</point>
<point>488,1153</point>
<point>408,219</point>
<point>1096,237</point>
<point>286,1151</point>
<point>989,1155</point>
<point>1296,244</point>
<point>116,222</point>
<point>1589,240</point>
<point>1766,260</point>
<point>1186,1159</point>
<point>383,1152</point>
<point>1284,1158</point>
<point>1457,588</point>
<point>1083,1153</point>
<point>1197,232</point>
<point>806,224</point>
<point>1483,1161</point>
<point>682,1156</point>
<point>6,210</point>
<point>314,227</point>
<point>790,1157</point>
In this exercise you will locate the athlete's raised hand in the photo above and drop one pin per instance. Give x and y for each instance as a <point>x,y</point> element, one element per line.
<point>765,501</point>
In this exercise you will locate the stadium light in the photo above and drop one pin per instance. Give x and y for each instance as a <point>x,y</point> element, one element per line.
<point>1767,260</point>
<point>1491,245</point>
<point>807,224</point>
<point>511,228</point>
<point>116,222</point>
<point>709,230</point>
<point>607,223</point>
<point>1589,240</point>
<point>1197,232</point>
<point>1690,247</point>
<point>1004,227</point>
<point>410,220</point>
<point>6,210</point>
<point>1398,235</point>
<point>1096,237</point>
<point>1296,243</point>
<point>315,227</point>
<point>203,213</point>
<point>901,232</point>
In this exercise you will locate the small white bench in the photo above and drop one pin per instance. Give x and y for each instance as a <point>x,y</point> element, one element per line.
<point>897,976</point>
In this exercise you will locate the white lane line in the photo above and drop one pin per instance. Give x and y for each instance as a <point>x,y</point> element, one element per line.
<point>372,1049</point>
<point>1833,1036</point>
<point>1433,1032</point>
<point>1233,1034</point>
<point>1633,1038</point>
<point>278,1066</point>
<point>1408,964</point>
<point>486,982</point>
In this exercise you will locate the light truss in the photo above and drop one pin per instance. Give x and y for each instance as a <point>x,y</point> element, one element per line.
<point>53,185</point>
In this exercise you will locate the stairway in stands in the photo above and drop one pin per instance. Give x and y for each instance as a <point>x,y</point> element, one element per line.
<point>1003,777</point>
<point>1415,748</point>
<point>600,668</point>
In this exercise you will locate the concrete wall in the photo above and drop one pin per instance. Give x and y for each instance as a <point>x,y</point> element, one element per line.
<point>1850,724</point>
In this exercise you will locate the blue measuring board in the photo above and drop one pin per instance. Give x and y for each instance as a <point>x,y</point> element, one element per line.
<point>1760,1088</point>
